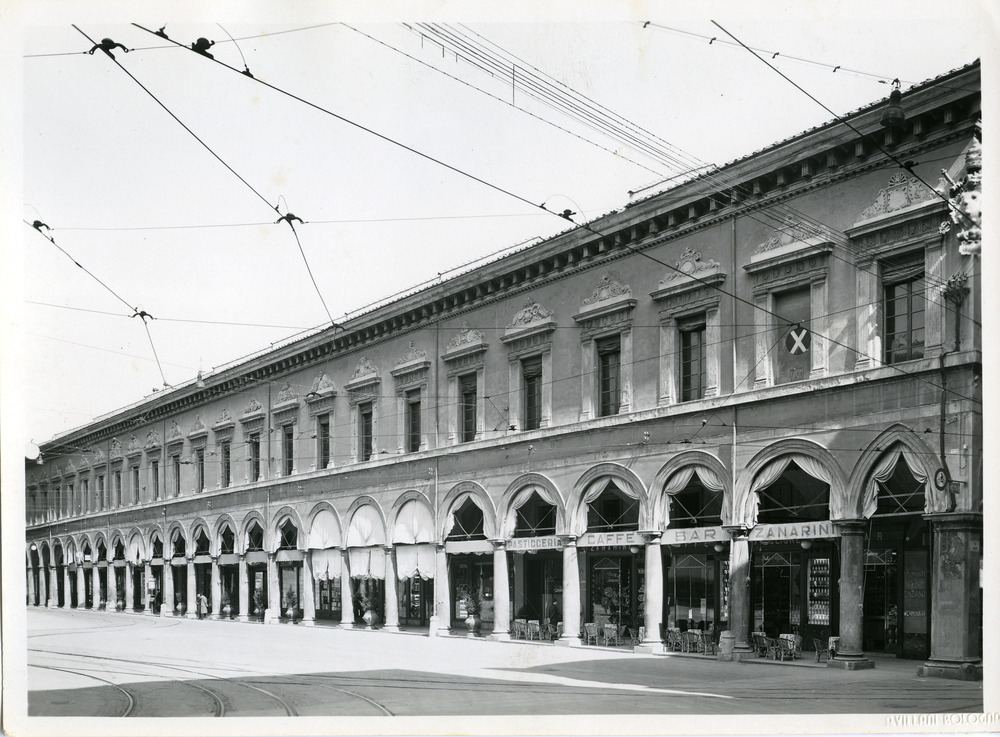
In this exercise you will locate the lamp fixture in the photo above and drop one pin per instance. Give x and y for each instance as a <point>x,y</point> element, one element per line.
<point>893,115</point>
<point>806,544</point>
<point>634,550</point>
<point>719,547</point>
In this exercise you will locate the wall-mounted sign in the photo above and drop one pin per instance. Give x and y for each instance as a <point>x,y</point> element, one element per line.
<point>617,539</point>
<point>522,544</point>
<point>693,535</point>
<point>796,531</point>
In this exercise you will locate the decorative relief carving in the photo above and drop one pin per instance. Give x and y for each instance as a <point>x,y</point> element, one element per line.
<point>689,265</point>
<point>98,456</point>
<point>465,336</point>
<point>174,431</point>
<point>253,406</point>
<point>899,194</point>
<point>224,417</point>
<point>70,469</point>
<point>412,354</point>
<point>152,439</point>
<point>322,384</point>
<point>365,368</point>
<point>116,448</point>
<point>606,289</point>
<point>286,394</point>
<point>198,424</point>
<point>133,445</point>
<point>870,244</point>
<point>953,554</point>
<point>791,232</point>
<point>532,312</point>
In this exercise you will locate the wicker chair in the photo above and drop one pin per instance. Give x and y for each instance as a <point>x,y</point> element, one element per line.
<point>822,647</point>
<point>612,634</point>
<point>519,631</point>
<point>534,631</point>
<point>590,632</point>
<point>673,640</point>
<point>636,635</point>
<point>708,644</point>
<point>759,642</point>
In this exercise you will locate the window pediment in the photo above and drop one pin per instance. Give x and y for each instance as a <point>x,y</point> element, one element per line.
<point>610,302</point>
<point>690,280</point>
<point>467,342</point>
<point>412,367</point>
<point>321,396</point>
<point>530,321</point>
<point>790,243</point>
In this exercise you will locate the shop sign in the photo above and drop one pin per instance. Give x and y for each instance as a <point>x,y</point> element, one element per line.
<point>796,531</point>
<point>620,539</point>
<point>521,544</point>
<point>693,535</point>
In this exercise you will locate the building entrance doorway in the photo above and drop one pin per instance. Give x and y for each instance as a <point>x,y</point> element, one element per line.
<point>230,577</point>
<point>257,576</point>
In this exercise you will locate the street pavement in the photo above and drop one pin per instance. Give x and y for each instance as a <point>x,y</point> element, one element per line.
<point>98,664</point>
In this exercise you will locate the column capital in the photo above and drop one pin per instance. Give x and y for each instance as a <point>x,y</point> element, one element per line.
<point>189,559</point>
<point>960,520</point>
<point>850,526</point>
<point>650,536</point>
<point>243,557</point>
<point>499,543</point>
<point>271,556</point>
<point>737,531</point>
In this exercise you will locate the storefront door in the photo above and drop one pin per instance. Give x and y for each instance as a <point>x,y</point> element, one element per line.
<point>473,572</point>
<point>328,601</point>
<point>257,575</point>
<point>230,578</point>
<point>617,586</point>
<point>88,587</point>
<point>416,601</point>
<point>138,588</point>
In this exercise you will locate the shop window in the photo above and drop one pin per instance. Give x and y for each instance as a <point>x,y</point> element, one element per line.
<point>202,545</point>
<point>692,367</point>
<point>692,591</point>
<point>225,460</point>
<point>794,497</point>
<point>903,309</point>
<point>227,541</point>
<point>469,523</point>
<point>468,407</point>
<point>609,355</point>
<point>365,431</point>
<point>695,506</point>
<point>323,441</point>
<point>412,401</point>
<point>613,510</point>
<point>287,450</point>
<point>531,371</point>
<point>617,590</point>
<point>289,536</point>
<point>535,518</point>
<point>255,538</point>
<point>253,446</point>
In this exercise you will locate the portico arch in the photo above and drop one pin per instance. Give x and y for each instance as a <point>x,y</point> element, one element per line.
<point>678,472</point>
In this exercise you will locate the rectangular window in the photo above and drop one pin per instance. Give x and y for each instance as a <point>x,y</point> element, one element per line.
<point>118,488</point>
<point>199,469</point>
<point>467,407</point>
<point>287,450</point>
<point>154,478</point>
<point>85,496</point>
<point>609,355</point>
<point>176,463</point>
<point>904,312</point>
<point>323,441</point>
<point>71,498</point>
<point>531,370</point>
<point>135,484</point>
<point>225,456</point>
<point>692,360</point>
<point>413,421</point>
<point>102,500</point>
<point>365,430</point>
<point>792,339</point>
<point>253,444</point>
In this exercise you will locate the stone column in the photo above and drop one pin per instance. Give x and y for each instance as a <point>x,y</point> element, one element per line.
<point>216,596</point>
<point>391,592</point>
<point>167,610</point>
<point>66,588</point>
<point>346,595</point>
<point>95,587</point>
<point>31,585</point>
<point>81,588</point>
<point>739,593</point>
<point>501,592</point>
<point>852,567</point>
<point>192,590</point>
<point>308,590</point>
<point>129,589</point>
<point>43,587</point>
<point>112,589</point>
<point>651,643</point>
<point>571,593</point>
<point>955,617</point>
<point>147,597</point>
<point>244,589</point>
<point>442,591</point>
<point>273,592</point>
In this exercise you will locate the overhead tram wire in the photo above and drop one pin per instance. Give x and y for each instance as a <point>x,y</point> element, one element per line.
<point>172,319</point>
<point>221,161</point>
<point>565,215</point>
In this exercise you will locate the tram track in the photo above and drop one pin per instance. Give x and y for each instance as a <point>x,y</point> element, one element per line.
<point>128,695</point>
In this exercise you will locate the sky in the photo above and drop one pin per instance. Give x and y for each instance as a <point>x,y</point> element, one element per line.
<point>188,235</point>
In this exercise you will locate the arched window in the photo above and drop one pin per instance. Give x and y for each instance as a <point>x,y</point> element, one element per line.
<point>87,554</point>
<point>178,545</point>
<point>901,493</point>
<point>102,551</point>
<point>695,506</point>
<point>228,540</point>
<point>794,497</point>
<point>255,537</point>
<point>469,523</point>
<point>119,550</point>
<point>201,543</point>
<point>535,518</point>
<point>613,510</point>
<point>157,547</point>
<point>289,535</point>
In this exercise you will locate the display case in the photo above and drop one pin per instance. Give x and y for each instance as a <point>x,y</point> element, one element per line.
<point>818,591</point>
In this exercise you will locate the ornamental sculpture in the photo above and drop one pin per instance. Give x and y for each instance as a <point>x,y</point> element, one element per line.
<point>790,232</point>
<point>965,199</point>
<point>133,444</point>
<point>412,354</point>
<point>198,424</point>
<point>689,264</point>
<point>898,195</point>
<point>322,384</point>
<point>467,335</point>
<point>286,394</point>
<point>174,431</point>
<point>152,439</point>
<point>116,448</point>
<point>224,417</point>
<point>365,368</point>
<point>607,289</point>
<point>253,406</point>
<point>98,456</point>
<point>531,312</point>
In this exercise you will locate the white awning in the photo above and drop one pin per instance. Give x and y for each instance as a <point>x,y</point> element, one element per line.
<point>414,560</point>
<point>367,562</point>
<point>414,524</point>
<point>325,531</point>
<point>327,564</point>
<point>366,528</point>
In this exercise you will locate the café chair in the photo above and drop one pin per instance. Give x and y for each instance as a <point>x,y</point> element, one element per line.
<point>590,632</point>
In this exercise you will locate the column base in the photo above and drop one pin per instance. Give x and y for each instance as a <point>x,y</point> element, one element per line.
<point>129,610</point>
<point>499,637</point>
<point>953,669</point>
<point>191,615</point>
<point>565,641</point>
<point>650,648</point>
<point>851,663</point>
<point>309,622</point>
<point>390,628</point>
<point>739,654</point>
<point>242,618</point>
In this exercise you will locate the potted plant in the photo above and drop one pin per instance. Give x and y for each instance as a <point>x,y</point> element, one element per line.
<point>227,605</point>
<point>472,603</point>
<point>368,605</point>
<point>102,604</point>
<point>179,607</point>
<point>259,604</point>
<point>291,605</point>
<point>120,604</point>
